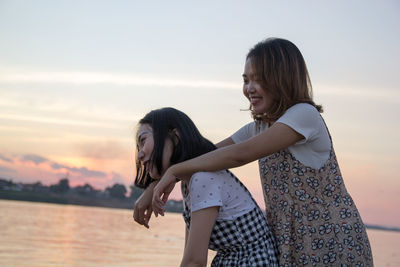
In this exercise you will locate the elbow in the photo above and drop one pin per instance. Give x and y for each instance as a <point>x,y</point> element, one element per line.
<point>240,161</point>
<point>194,263</point>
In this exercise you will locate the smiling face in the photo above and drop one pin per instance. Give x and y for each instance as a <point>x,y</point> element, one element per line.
<point>260,99</point>
<point>145,143</point>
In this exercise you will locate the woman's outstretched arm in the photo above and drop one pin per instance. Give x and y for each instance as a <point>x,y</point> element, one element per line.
<point>276,138</point>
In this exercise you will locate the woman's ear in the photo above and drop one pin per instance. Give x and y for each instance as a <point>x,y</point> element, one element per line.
<point>175,136</point>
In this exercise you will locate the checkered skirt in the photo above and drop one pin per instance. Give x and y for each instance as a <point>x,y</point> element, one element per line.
<point>245,241</point>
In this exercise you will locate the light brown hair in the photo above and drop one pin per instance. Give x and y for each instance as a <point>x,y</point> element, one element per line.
<point>283,72</point>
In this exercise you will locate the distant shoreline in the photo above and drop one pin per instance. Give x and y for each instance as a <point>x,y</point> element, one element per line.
<point>108,203</point>
<point>67,199</point>
<point>382,228</point>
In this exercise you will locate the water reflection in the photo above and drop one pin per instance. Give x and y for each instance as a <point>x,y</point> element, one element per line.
<point>38,234</point>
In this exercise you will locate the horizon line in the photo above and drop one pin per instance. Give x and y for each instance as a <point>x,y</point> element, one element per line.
<point>367,225</point>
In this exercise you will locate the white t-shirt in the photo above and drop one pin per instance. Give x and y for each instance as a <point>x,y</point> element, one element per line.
<point>210,189</point>
<point>313,150</point>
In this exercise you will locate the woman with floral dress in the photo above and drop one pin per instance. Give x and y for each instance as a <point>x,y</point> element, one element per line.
<point>313,217</point>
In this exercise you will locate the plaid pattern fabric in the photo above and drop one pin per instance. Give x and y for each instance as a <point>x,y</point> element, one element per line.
<point>245,241</point>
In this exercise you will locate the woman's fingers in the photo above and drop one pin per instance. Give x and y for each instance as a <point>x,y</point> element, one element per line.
<point>157,202</point>
<point>147,217</point>
<point>158,209</point>
<point>143,207</point>
<point>161,193</point>
<point>164,198</point>
<point>138,214</point>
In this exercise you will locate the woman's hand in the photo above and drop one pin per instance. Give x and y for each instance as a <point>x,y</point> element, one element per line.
<point>143,208</point>
<point>161,192</point>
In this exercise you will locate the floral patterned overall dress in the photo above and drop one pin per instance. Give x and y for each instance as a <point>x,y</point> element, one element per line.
<point>312,216</point>
<point>244,241</point>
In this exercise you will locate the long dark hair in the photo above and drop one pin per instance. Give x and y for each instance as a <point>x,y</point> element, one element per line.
<point>283,73</point>
<point>165,122</point>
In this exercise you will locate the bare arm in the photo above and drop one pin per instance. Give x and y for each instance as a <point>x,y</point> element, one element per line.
<point>226,142</point>
<point>276,138</point>
<point>186,235</point>
<point>202,222</point>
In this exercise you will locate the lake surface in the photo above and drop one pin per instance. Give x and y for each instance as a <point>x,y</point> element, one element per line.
<point>39,234</point>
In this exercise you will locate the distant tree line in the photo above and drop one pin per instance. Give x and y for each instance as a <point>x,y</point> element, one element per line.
<point>117,191</point>
<point>114,196</point>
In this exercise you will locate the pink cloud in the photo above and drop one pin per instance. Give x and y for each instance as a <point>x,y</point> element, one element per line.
<point>31,168</point>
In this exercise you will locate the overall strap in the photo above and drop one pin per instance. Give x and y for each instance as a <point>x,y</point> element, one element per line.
<point>242,185</point>
<point>185,193</point>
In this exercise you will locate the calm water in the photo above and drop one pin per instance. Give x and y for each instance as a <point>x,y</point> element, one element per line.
<point>37,234</point>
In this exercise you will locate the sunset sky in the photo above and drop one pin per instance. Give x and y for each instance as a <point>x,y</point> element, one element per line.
<point>75,77</point>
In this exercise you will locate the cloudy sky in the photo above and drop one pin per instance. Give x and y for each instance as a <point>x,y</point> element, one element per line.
<point>75,77</point>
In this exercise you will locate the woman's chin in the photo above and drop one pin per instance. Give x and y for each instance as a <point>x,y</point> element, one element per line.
<point>155,176</point>
<point>258,111</point>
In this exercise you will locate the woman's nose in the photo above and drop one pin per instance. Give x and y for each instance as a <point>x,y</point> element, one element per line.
<point>250,88</point>
<point>140,155</point>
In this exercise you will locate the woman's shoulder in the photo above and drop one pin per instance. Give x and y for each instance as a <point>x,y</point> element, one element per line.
<point>301,114</point>
<point>303,108</point>
<point>244,133</point>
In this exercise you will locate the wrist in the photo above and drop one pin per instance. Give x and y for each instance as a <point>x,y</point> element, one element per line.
<point>153,184</point>
<point>171,173</point>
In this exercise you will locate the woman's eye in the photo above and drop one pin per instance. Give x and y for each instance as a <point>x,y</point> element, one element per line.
<point>141,142</point>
